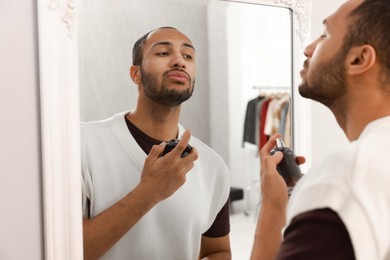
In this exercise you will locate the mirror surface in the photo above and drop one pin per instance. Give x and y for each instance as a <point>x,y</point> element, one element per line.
<point>243,50</point>
<point>239,46</point>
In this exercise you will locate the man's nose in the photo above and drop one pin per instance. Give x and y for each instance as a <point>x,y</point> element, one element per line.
<point>309,50</point>
<point>178,61</point>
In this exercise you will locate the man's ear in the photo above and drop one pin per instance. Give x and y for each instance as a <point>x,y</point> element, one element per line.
<point>135,74</point>
<point>360,59</point>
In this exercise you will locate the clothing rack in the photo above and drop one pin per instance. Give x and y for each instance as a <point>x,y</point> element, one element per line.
<point>272,87</point>
<point>285,88</point>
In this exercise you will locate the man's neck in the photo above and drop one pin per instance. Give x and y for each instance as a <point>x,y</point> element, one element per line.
<point>161,124</point>
<point>359,113</point>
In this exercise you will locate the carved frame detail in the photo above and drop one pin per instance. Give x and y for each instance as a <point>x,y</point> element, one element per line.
<point>59,91</point>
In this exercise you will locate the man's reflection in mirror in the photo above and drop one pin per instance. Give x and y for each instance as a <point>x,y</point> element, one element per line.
<point>138,204</point>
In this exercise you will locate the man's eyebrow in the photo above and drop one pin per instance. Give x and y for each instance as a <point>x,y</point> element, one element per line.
<point>169,44</point>
<point>161,43</point>
<point>189,46</point>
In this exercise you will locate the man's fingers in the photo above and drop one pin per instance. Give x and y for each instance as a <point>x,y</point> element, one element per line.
<point>273,160</point>
<point>192,156</point>
<point>182,145</point>
<point>156,151</point>
<point>186,136</point>
<point>300,160</point>
<point>269,145</point>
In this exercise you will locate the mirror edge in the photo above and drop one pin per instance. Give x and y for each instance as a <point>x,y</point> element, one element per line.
<point>59,91</point>
<point>301,106</point>
<point>59,96</point>
<point>300,8</point>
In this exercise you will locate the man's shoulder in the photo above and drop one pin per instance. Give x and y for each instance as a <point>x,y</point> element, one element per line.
<point>100,122</point>
<point>95,125</point>
<point>204,149</point>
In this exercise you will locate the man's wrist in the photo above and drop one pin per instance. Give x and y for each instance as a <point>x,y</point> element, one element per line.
<point>145,195</point>
<point>275,212</point>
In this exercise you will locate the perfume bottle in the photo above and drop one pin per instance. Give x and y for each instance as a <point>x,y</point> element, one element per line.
<point>287,167</point>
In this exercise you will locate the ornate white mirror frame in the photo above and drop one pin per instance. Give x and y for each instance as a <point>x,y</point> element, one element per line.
<point>59,85</point>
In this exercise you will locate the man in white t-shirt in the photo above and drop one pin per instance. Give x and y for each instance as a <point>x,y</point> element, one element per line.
<point>341,208</point>
<point>137,202</point>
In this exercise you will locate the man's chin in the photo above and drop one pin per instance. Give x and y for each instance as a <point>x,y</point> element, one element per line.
<point>302,89</point>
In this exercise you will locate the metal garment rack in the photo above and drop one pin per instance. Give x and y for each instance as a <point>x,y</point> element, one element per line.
<point>272,87</point>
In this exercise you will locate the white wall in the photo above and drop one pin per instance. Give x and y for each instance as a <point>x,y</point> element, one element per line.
<point>21,217</point>
<point>326,134</point>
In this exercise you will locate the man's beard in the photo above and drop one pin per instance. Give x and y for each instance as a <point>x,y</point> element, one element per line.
<point>162,94</point>
<point>327,83</point>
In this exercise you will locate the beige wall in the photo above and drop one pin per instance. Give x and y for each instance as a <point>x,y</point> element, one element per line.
<point>21,217</point>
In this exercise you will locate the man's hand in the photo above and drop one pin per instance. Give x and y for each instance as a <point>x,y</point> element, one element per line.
<point>272,216</point>
<point>164,175</point>
<point>273,186</point>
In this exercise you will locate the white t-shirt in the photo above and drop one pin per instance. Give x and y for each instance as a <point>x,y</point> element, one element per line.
<point>355,183</point>
<point>112,162</point>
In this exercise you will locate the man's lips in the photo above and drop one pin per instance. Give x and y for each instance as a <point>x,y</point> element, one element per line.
<point>178,75</point>
<point>305,65</point>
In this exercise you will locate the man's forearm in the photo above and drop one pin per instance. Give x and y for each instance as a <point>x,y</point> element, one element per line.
<point>268,236</point>
<point>103,231</point>
<point>223,255</point>
<point>215,248</point>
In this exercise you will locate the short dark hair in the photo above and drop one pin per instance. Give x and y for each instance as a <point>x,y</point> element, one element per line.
<point>139,46</point>
<point>370,24</point>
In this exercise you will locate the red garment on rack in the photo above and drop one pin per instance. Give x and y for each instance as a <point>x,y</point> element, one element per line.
<point>262,137</point>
